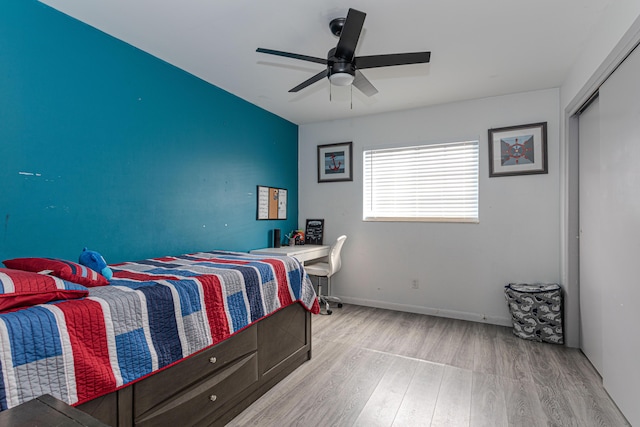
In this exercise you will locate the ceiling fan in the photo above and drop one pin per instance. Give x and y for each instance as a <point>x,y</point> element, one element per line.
<point>343,67</point>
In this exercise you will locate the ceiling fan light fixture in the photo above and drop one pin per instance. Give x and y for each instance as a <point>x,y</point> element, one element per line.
<point>341,79</point>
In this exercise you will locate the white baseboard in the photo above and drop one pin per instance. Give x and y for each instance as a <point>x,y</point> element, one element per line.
<point>452,314</point>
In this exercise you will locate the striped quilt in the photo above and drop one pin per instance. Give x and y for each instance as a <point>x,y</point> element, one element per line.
<point>154,313</point>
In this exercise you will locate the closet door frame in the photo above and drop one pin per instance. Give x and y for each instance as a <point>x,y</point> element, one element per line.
<point>569,221</point>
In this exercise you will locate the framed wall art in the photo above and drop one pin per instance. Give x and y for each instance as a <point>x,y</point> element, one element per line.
<point>335,162</point>
<point>518,150</point>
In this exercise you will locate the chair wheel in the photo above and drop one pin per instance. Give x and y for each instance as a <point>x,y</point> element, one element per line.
<point>340,305</point>
<point>329,311</point>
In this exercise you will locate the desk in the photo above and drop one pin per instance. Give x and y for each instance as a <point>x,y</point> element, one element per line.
<point>301,252</point>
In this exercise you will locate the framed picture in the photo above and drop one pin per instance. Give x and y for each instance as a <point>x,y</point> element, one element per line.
<point>335,162</point>
<point>518,150</point>
<point>314,231</point>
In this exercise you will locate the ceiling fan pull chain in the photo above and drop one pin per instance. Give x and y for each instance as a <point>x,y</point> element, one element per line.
<point>351,96</point>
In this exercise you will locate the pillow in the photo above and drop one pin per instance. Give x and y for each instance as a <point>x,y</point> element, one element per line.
<point>66,270</point>
<point>23,288</point>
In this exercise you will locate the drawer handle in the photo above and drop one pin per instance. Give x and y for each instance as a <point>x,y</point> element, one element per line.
<point>213,398</point>
<point>212,359</point>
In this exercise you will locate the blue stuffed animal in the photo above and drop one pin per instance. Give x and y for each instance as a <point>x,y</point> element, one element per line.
<point>94,261</point>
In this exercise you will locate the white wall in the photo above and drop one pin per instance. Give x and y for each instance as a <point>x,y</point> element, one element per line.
<point>608,44</point>
<point>461,268</point>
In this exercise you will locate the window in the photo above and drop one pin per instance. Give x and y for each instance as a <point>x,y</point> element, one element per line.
<point>436,182</point>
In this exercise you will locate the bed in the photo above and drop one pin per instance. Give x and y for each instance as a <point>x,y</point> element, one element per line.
<point>178,340</point>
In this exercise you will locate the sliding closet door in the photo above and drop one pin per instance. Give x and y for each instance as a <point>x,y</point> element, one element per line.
<point>591,269</point>
<point>620,231</point>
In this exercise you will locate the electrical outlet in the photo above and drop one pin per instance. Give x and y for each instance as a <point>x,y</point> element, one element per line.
<point>415,284</point>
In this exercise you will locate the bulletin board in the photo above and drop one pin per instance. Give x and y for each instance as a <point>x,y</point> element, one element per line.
<point>272,203</point>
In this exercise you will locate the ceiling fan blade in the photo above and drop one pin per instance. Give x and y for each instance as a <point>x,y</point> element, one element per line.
<point>364,85</point>
<point>350,34</point>
<point>293,55</point>
<point>375,61</point>
<point>312,80</point>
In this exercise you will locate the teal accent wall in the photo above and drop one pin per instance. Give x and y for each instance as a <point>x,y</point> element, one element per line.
<point>105,146</point>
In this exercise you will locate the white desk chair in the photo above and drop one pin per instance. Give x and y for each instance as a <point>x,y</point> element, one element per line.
<point>328,269</point>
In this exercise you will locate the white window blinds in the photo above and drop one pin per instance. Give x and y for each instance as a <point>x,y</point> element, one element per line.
<point>436,182</point>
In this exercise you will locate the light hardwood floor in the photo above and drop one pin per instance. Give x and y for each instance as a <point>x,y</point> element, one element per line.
<point>374,367</point>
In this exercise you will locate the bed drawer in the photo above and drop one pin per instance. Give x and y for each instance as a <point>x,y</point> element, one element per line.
<point>163,388</point>
<point>198,404</point>
<point>280,338</point>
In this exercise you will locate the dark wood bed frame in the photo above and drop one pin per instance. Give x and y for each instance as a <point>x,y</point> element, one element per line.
<point>214,386</point>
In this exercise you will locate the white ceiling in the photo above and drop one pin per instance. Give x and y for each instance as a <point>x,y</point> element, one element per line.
<point>479,48</point>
